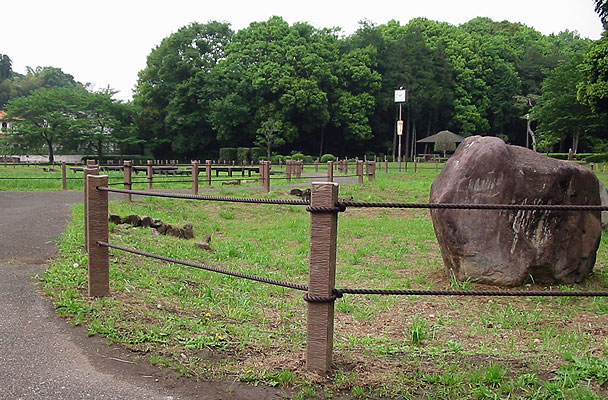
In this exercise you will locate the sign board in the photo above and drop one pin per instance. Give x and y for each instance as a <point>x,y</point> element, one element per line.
<point>400,95</point>
<point>399,127</point>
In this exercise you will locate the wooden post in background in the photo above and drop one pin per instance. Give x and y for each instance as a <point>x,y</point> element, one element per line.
<point>127,167</point>
<point>64,181</point>
<point>370,169</point>
<point>266,165</point>
<point>195,177</point>
<point>87,172</point>
<point>320,320</point>
<point>345,171</point>
<point>317,165</point>
<point>415,166</point>
<point>208,171</point>
<point>288,168</point>
<point>299,168</point>
<point>385,164</point>
<point>150,173</point>
<point>360,172</point>
<point>97,230</point>
<point>330,171</point>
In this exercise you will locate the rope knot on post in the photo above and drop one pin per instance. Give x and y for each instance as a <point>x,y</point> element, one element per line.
<point>323,299</point>
<point>337,209</point>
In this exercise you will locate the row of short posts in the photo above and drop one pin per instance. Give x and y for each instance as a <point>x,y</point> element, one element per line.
<point>323,235</point>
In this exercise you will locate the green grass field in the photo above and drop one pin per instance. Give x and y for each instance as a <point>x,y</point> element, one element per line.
<point>208,325</point>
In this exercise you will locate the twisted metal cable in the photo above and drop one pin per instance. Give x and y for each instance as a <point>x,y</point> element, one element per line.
<point>459,206</point>
<point>508,293</point>
<point>207,268</point>
<point>210,198</point>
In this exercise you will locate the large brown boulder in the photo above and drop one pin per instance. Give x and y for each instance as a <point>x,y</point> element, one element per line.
<point>510,248</point>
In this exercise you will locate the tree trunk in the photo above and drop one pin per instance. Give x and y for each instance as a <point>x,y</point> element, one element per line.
<point>322,139</point>
<point>99,151</point>
<point>532,134</point>
<point>575,138</point>
<point>49,143</point>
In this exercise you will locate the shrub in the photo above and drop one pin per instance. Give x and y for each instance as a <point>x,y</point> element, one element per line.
<point>258,153</point>
<point>276,158</point>
<point>369,155</point>
<point>243,153</point>
<point>327,157</point>
<point>298,156</point>
<point>597,158</point>
<point>228,154</point>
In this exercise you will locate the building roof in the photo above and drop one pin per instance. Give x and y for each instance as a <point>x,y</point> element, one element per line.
<point>433,138</point>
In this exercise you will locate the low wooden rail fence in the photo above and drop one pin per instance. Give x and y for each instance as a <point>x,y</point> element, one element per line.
<point>321,293</point>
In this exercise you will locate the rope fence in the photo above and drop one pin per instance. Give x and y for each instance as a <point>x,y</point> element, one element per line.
<point>321,293</point>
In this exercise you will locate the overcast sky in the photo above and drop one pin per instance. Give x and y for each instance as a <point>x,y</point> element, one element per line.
<point>107,42</point>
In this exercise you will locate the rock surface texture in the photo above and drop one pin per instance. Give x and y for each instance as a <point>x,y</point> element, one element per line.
<point>510,248</point>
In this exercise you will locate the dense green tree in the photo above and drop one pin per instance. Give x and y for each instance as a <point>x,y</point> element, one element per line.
<point>45,119</point>
<point>298,76</point>
<point>593,88</point>
<point>558,111</point>
<point>6,68</point>
<point>173,90</point>
<point>107,123</point>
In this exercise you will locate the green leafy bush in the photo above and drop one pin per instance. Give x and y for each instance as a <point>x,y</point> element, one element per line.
<point>327,157</point>
<point>298,156</point>
<point>228,153</point>
<point>243,153</point>
<point>258,153</point>
<point>276,158</point>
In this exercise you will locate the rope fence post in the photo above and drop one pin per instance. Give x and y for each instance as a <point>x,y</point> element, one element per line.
<point>208,171</point>
<point>370,169</point>
<point>127,169</point>
<point>320,319</point>
<point>345,171</point>
<point>330,171</point>
<point>150,173</point>
<point>97,231</point>
<point>64,181</point>
<point>195,177</point>
<point>299,169</point>
<point>266,165</point>
<point>360,172</point>
<point>87,171</point>
<point>288,165</point>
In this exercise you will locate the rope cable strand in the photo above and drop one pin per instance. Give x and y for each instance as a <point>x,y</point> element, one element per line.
<point>209,198</point>
<point>460,206</point>
<point>206,267</point>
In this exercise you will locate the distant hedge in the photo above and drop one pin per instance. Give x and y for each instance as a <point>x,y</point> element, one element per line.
<point>228,154</point>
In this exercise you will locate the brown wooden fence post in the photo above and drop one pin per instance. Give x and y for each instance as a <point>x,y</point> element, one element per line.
<point>330,171</point>
<point>97,231</point>
<point>385,164</point>
<point>127,167</point>
<point>64,180</point>
<point>150,173</point>
<point>208,171</point>
<point>345,166</point>
<point>195,177</point>
<point>320,321</point>
<point>360,172</point>
<point>288,165</point>
<point>266,165</point>
<point>299,169</point>
<point>371,170</point>
<point>415,166</point>
<point>87,172</point>
<point>317,165</point>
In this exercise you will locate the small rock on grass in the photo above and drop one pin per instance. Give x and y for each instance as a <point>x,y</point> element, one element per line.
<point>203,246</point>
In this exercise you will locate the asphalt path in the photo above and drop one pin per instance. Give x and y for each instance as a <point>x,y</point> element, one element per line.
<point>43,356</point>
